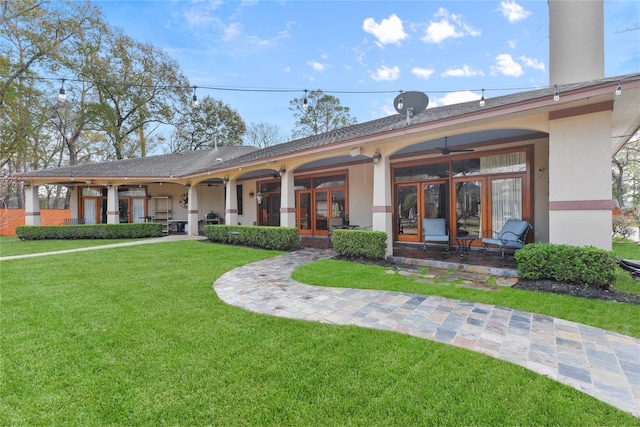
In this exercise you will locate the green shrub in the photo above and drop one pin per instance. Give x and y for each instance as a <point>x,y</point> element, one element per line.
<point>89,231</point>
<point>360,243</point>
<point>278,238</point>
<point>584,265</point>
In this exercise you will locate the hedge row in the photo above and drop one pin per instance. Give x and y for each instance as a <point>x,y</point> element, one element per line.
<point>278,238</point>
<point>89,231</point>
<point>584,265</point>
<point>360,243</point>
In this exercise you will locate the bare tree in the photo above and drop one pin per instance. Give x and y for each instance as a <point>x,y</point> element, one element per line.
<point>263,135</point>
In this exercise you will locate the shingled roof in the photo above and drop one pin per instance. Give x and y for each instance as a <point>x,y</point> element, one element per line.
<point>397,121</point>
<point>177,164</point>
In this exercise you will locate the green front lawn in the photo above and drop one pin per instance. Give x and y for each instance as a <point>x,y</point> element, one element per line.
<point>136,336</point>
<point>11,246</point>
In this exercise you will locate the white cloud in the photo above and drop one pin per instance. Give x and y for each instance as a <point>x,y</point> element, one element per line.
<point>454,98</point>
<point>449,26</point>
<point>465,71</point>
<point>512,43</point>
<point>513,11</point>
<point>388,31</point>
<point>386,73</point>
<point>423,73</point>
<point>317,66</point>
<point>532,63</point>
<point>506,65</point>
<point>286,69</point>
<point>232,31</point>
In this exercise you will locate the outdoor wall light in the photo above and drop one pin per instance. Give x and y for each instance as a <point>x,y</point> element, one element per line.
<point>225,179</point>
<point>281,171</point>
<point>27,185</point>
<point>376,157</point>
<point>109,185</point>
<point>259,197</point>
<point>251,194</point>
<point>188,185</point>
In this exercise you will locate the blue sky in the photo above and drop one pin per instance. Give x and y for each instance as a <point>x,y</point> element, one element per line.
<point>448,49</point>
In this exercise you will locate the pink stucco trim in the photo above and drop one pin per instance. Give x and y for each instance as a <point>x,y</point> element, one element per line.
<point>287,210</point>
<point>231,211</point>
<point>381,209</point>
<point>192,211</point>
<point>113,213</point>
<point>581,205</point>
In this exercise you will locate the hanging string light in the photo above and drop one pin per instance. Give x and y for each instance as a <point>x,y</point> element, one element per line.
<point>401,101</point>
<point>482,102</point>
<point>556,94</point>
<point>619,88</point>
<point>194,99</point>
<point>305,103</point>
<point>62,96</point>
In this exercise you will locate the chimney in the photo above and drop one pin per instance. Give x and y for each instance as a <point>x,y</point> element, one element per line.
<point>576,41</point>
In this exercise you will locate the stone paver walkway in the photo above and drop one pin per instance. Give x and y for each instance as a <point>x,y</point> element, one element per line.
<point>603,364</point>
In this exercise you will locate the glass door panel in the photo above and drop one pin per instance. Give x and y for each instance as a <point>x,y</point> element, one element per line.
<point>138,209</point>
<point>408,214</point>
<point>506,201</point>
<point>123,208</point>
<point>338,205</point>
<point>273,208</point>
<point>90,213</point>
<point>435,200</point>
<point>304,212</point>
<point>468,200</point>
<point>321,210</point>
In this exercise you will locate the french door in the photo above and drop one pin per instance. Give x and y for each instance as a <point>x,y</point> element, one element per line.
<point>416,202</point>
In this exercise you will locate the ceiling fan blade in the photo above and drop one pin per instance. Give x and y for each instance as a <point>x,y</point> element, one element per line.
<point>461,151</point>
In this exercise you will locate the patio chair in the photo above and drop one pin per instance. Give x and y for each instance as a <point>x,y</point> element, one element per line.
<point>512,236</point>
<point>435,230</point>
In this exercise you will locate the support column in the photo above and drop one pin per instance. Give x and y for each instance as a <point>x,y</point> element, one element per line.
<point>192,211</point>
<point>382,209</point>
<point>231,204</point>
<point>580,197</point>
<point>287,201</point>
<point>113,214</point>
<point>73,201</point>
<point>31,205</point>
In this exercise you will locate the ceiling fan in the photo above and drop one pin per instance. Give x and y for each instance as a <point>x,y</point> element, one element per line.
<point>446,150</point>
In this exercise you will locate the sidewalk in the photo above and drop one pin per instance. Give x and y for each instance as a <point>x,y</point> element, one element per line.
<point>603,364</point>
<point>170,238</point>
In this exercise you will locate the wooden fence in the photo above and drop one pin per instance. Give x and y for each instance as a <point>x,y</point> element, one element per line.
<point>11,218</point>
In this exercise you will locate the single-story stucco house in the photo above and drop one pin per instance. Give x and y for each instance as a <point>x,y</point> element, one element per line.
<point>531,155</point>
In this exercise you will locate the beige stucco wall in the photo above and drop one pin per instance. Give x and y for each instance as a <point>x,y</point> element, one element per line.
<point>361,194</point>
<point>541,191</point>
<point>580,173</point>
